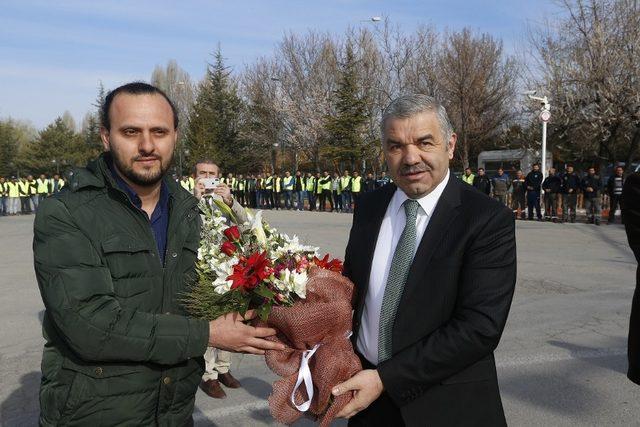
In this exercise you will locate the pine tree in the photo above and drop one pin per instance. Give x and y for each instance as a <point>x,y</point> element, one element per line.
<point>345,129</point>
<point>56,148</point>
<point>8,148</point>
<point>91,126</point>
<point>213,122</point>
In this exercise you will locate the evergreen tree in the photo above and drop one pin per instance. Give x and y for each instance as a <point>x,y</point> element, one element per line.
<point>91,126</point>
<point>345,129</point>
<point>56,148</point>
<point>213,122</point>
<point>8,148</point>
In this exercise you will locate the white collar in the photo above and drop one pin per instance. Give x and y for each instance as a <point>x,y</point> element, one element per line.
<point>427,203</point>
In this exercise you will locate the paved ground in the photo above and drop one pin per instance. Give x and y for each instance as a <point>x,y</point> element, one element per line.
<point>561,360</point>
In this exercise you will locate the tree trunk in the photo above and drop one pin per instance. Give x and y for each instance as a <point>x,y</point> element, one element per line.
<point>465,152</point>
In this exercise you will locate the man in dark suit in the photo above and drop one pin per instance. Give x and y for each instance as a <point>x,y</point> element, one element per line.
<point>434,263</point>
<point>631,220</point>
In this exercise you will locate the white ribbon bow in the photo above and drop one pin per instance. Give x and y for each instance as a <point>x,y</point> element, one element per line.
<point>304,375</point>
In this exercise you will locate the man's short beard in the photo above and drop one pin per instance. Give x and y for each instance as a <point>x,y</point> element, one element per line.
<point>151,177</point>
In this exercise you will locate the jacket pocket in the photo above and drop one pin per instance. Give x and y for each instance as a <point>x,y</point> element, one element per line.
<point>484,369</point>
<point>127,258</point>
<point>92,384</point>
<point>75,395</point>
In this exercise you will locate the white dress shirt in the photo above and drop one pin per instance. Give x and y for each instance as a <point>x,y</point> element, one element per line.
<point>392,226</point>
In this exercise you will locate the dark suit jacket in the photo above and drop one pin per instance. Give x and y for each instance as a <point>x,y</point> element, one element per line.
<point>453,309</point>
<point>631,219</point>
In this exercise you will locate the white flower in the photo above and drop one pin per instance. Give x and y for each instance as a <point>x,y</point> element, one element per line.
<point>300,283</point>
<point>257,229</point>
<point>292,246</point>
<point>222,285</point>
<point>290,281</point>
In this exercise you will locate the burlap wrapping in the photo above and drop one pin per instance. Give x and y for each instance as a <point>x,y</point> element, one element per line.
<point>323,317</point>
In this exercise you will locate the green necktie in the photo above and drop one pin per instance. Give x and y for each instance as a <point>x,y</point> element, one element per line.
<point>400,264</point>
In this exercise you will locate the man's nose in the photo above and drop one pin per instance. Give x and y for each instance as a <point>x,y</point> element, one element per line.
<point>146,145</point>
<point>410,155</point>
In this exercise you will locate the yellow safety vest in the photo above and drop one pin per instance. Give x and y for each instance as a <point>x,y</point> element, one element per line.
<point>311,182</point>
<point>268,183</point>
<point>318,186</point>
<point>23,186</point>
<point>185,184</point>
<point>278,184</point>
<point>14,190</point>
<point>345,182</point>
<point>468,179</point>
<point>43,186</point>
<point>327,184</point>
<point>4,188</point>
<point>356,185</point>
<point>60,183</point>
<point>33,187</point>
<point>288,183</point>
<point>241,184</point>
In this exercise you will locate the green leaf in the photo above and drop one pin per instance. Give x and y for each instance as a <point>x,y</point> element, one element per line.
<point>265,292</point>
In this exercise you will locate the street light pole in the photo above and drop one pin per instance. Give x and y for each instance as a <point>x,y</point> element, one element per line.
<point>545,115</point>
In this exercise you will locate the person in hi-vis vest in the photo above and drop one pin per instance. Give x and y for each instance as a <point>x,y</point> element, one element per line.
<point>288,183</point>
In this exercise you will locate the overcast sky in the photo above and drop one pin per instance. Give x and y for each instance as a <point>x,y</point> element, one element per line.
<point>54,53</point>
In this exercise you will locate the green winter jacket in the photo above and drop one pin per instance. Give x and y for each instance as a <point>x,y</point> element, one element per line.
<point>119,348</point>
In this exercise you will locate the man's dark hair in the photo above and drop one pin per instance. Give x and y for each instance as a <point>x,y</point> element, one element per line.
<point>205,161</point>
<point>134,88</point>
<point>480,169</point>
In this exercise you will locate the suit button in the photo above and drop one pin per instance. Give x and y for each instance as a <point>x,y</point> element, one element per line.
<point>98,372</point>
<point>166,380</point>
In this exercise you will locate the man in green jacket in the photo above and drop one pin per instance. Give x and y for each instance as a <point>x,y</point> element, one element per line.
<point>113,254</point>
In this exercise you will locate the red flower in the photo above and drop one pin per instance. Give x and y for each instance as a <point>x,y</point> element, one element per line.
<point>228,248</point>
<point>232,233</point>
<point>249,273</point>
<point>333,265</point>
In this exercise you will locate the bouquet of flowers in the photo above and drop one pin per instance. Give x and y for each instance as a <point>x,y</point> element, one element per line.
<point>305,298</point>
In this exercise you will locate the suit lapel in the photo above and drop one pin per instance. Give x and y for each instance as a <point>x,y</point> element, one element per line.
<point>443,215</point>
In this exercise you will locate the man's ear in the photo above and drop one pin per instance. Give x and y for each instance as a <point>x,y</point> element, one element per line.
<point>104,136</point>
<point>452,145</point>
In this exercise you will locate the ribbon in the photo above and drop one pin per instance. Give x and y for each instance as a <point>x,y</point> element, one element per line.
<point>304,375</point>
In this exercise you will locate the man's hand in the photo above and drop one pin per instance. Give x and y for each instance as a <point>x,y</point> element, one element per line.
<point>366,386</point>
<point>229,332</point>
<point>224,191</point>
<point>198,189</point>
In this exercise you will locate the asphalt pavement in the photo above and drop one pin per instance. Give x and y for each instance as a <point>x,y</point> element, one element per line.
<point>561,361</point>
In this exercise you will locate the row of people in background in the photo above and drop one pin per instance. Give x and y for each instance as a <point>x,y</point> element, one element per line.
<point>303,191</point>
<point>559,192</point>
<point>23,195</point>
